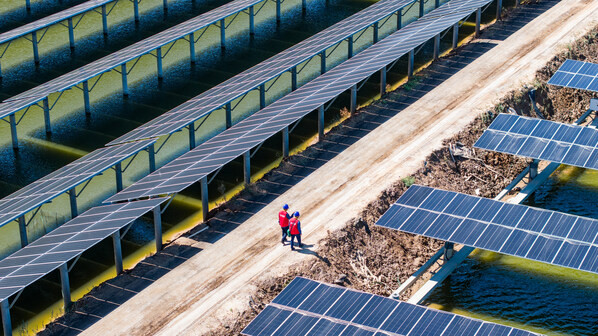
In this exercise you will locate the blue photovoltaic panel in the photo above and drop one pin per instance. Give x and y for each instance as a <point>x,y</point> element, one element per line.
<point>235,141</point>
<point>527,232</point>
<point>307,307</point>
<point>577,75</point>
<point>542,139</point>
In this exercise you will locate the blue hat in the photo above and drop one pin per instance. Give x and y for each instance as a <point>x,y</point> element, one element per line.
<point>296,213</point>
<point>286,207</point>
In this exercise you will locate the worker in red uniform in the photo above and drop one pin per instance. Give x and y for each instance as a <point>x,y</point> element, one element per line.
<point>295,229</point>
<point>283,220</point>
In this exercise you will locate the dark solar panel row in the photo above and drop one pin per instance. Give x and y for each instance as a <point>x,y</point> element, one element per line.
<point>307,307</point>
<point>233,142</point>
<point>543,235</point>
<point>542,139</point>
<point>577,75</point>
<point>49,252</point>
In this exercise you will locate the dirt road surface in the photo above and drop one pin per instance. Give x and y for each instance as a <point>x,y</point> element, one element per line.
<point>217,282</point>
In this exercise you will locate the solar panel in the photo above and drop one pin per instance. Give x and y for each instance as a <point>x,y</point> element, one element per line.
<point>542,139</point>
<point>65,178</point>
<point>577,75</point>
<point>307,307</point>
<point>64,243</point>
<point>233,142</point>
<point>543,235</point>
<point>218,96</point>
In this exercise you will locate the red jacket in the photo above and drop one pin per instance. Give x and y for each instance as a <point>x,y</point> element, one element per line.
<point>295,226</point>
<point>283,218</point>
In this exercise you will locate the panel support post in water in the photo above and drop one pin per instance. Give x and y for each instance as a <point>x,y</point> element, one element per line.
<point>136,10</point>
<point>229,118</point>
<point>104,20</point>
<point>353,103</point>
<point>498,9</point>
<point>278,12</point>
<point>251,22</point>
<point>158,228</point>
<point>73,200</point>
<point>13,131</point>
<point>294,78</point>
<point>422,7</point>
<point>455,35</point>
<point>222,34</point>
<point>436,47</point>
<point>321,122</point>
<point>383,80</point>
<point>410,61</point>
<point>66,286</point>
<point>159,60</point>
<point>86,102</point>
<point>152,158</point>
<point>118,171</point>
<point>71,34</point>
<point>118,255</point>
<point>192,48</point>
<point>376,29</point>
<point>478,20</point>
<point>262,96</point>
<point>399,19</point>
<point>23,231</point>
<point>6,324</point>
<point>46,108</point>
<point>247,167</point>
<point>205,206</point>
<point>123,72</point>
<point>323,62</point>
<point>35,50</point>
<point>285,142</point>
<point>350,47</point>
<point>191,128</point>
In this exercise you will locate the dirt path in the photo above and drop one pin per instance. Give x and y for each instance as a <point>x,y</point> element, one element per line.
<point>195,295</point>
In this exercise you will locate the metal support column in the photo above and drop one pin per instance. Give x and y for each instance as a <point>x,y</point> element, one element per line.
<point>383,80</point>
<point>118,255</point>
<point>136,10</point>
<point>192,48</point>
<point>323,62</point>
<point>46,108</point>
<point>165,5</point>
<point>229,118</point>
<point>436,3</point>
<point>262,96</point>
<point>123,71</point>
<point>350,46</point>
<point>118,171</point>
<point>498,9</point>
<point>353,104</point>
<point>455,35</point>
<point>303,6</point>
<point>294,78</point>
<point>436,47</point>
<point>410,61</point>
<point>73,200</point>
<point>191,135</point>
<point>13,131</point>
<point>104,20</point>
<point>86,102</point>
<point>66,287</point>
<point>376,29</point>
<point>23,231</point>
<point>159,59</point>
<point>321,124</point>
<point>71,34</point>
<point>478,20</point>
<point>449,251</point>
<point>251,22</point>
<point>205,207</point>
<point>247,167</point>
<point>28,5</point>
<point>399,19</point>
<point>152,158</point>
<point>278,12</point>
<point>6,324</point>
<point>285,142</point>
<point>35,50</point>
<point>516,3</point>
<point>222,34</point>
<point>533,169</point>
<point>422,8</point>
<point>158,228</point>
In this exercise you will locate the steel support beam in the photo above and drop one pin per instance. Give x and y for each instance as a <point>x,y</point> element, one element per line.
<point>376,29</point>
<point>123,71</point>
<point>262,96</point>
<point>86,102</point>
<point>247,168</point>
<point>410,63</point>
<point>353,103</point>
<point>23,230</point>
<point>350,46</point>
<point>152,158</point>
<point>158,228</point>
<point>455,35</point>
<point>422,8</point>
<point>66,287</point>
<point>285,142</point>
<point>478,20</point>
<point>73,201</point>
<point>118,171</point>
<point>436,47</point>
<point>136,10</point>
<point>104,20</point>
<point>294,78</point>
<point>191,128</point>
<point>35,49</point>
<point>205,205</point>
<point>498,9</point>
<point>46,108</point>
<point>321,124</point>
<point>159,59</point>
<point>399,19</point>
<point>192,48</point>
<point>323,62</point>
<point>118,255</point>
<point>278,12</point>
<point>383,80</point>
<point>13,131</point>
<point>71,34</point>
<point>229,118</point>
<point>6,323</point>
<point>222,34</point>
<point>251,21</point>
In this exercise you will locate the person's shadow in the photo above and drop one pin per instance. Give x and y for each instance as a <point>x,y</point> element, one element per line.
<point>305,250</point>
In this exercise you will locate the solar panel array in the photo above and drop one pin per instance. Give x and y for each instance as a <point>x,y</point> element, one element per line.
<point>233,142</point>
<point>65,178</point>
<point>46,254</point>
<point>542,139</point>
<point>218,96</point>
<point>577,75</point>
<point>543,235</point>
<point>307,307</point>
<point>51,19</point>
<point>124,55</point>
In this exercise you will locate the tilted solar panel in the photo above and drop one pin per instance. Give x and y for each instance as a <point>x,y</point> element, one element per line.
<point>307,307</point>
<point>577,75</point>
<point>543,235</point>
<point>542,139</point>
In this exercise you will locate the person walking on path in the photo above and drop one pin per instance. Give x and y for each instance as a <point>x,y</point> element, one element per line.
<point>295,229</point>
<point>283,220</point>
